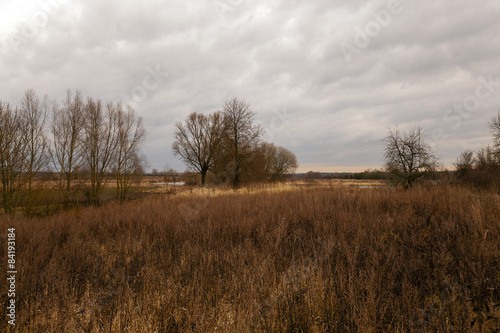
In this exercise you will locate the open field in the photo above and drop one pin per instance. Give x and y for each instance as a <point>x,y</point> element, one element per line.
<point>47,198</point>
<point>268,259</point>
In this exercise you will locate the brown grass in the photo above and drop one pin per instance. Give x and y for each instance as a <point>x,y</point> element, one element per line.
<point>307,260</point>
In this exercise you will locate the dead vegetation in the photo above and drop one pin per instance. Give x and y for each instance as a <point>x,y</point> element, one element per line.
<point>303,260</point>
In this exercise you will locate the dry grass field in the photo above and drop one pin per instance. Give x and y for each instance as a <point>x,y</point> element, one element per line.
<point>265,259</point>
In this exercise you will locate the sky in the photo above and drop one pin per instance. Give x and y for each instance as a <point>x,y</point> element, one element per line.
<point>326,78</point>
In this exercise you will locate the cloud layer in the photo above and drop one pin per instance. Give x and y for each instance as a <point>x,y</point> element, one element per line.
<point>326,78</point>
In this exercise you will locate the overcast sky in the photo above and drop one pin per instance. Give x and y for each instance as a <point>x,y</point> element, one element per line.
<point>325,77</point>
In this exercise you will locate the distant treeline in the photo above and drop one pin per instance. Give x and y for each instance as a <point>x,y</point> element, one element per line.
<point>481,168</point>
<point>443,175</point>
<point>367,174</point>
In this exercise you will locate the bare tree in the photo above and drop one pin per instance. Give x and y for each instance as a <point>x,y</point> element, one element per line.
<point>495,130</point>
<point>67,139</point>
<point>24,151</point>
<point>486,158</point>
<point>465,164</point>
<point>279,161</point>
<point>197,141</point>
<point>241,135</point>
<point>13,149</point>
<point>407,155</point>
<point>34,111</point>
<point>101,139</point>
<point>483,169</point>
<point>128,161</point>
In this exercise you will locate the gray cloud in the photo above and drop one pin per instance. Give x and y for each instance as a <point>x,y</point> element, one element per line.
<point>280,56</point>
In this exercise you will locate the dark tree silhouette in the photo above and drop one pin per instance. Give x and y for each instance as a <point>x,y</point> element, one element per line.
<point>407,155</point>
<point>197,141</point>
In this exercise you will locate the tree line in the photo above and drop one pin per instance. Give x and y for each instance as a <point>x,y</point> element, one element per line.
<point>408,157</point>
<point>81,144</point>
<point>371,174</point>
<point>481,168</point>
<point>226,146</point>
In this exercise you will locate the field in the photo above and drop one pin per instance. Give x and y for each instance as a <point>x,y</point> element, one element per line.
<point>286,258</point>
<point>47,198</point>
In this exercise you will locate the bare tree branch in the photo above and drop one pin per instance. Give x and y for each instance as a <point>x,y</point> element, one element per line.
<point>101,137</point>
<point>128,160</point>
<point>68,142</point>
<point>407,155</point>
<point>198,140</point>
<point>241,135</point>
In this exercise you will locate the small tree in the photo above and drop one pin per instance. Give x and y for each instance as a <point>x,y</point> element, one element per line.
<point>465,164</point>
<point>198,140</point>
<point>407,155</point>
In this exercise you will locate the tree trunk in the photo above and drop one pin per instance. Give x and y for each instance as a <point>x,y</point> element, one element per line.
<point>203,177</point>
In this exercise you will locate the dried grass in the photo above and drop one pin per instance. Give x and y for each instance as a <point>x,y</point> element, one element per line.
<point>264,260</point>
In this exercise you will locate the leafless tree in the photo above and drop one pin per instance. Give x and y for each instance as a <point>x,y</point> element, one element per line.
<point>495,130</point>
<point>68,142</point>
<point>241,134</point>
<point>197,141</point>
<point>487,167</point>
<point>13,149</point>
<point>465,164</point>
<point>407,155</point>
<point>101,139</point>
<point>24,151</point>
<point>279,161</point>
<point>483,169</point>
<point>486,158</point>
<point>128,160</point>
<point>34,111</point>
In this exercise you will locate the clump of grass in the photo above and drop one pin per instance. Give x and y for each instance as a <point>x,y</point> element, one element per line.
<point>302,260</point>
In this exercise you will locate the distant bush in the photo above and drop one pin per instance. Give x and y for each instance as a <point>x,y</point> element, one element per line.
<point>190,178</point>
<point>480,169</point>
